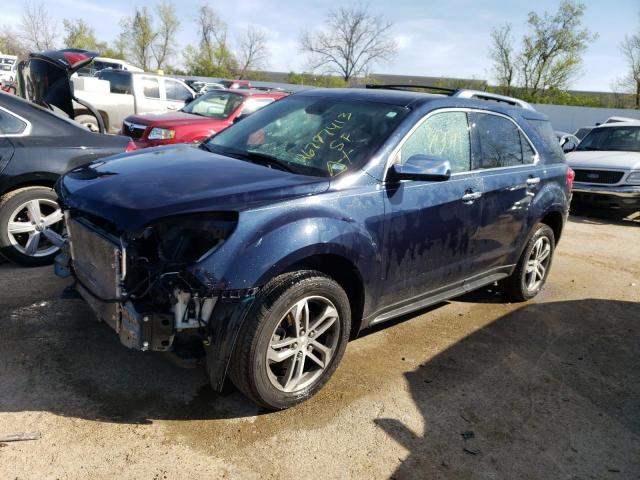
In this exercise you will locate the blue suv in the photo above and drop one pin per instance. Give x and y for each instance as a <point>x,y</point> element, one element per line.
<point>271,244</point>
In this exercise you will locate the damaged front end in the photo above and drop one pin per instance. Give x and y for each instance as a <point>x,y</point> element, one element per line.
<point>141,283</point>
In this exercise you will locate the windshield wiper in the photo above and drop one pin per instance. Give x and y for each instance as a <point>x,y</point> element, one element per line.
<point>268,159</point>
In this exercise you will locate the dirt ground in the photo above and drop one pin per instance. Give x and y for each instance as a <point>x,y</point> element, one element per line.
<point>472,388</point>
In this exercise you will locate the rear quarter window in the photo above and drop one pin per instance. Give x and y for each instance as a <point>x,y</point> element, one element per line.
<point>552,147</point>
<point>10,125</point>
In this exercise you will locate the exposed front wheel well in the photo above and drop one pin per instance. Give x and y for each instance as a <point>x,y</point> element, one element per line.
<point>347,276</point>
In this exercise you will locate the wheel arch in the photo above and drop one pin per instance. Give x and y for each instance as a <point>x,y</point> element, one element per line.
<point>555,220</point>
<point>43,179</point>
<point>345,273</point>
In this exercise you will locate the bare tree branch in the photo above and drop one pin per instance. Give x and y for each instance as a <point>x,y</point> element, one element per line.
<point>351,42</point>
<point>253,51</point>
<point>37,28</point>
<point>169,25</point>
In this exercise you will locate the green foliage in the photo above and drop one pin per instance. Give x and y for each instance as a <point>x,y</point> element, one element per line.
<point>327,81</point>
<point>550,55</point>
<point>78,34</point>
<point>139,35</point>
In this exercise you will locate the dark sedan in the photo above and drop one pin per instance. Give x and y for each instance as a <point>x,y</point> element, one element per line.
<point>36,147</point>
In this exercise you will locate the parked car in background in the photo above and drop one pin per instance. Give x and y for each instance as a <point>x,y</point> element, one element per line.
<point>36,147</point>
<point>567,141</point>
<point>234,84</point>
<point>582,132</point>
<point>116,94</point>
<point>208,114</point>
<point>100,63</point>
<point>8,66</point>
<point>607,167</point>
<point>327,212</point>
<point>201,87</point>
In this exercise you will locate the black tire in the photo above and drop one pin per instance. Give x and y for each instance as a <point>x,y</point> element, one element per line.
<point>89,121</point>
<point>250,371</point>
<point>516,286</point>
<point>8,204</point>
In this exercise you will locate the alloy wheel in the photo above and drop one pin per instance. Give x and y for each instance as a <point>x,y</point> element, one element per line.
<point>303,344</point>
<point>35,227</point>
<point>538,263</point>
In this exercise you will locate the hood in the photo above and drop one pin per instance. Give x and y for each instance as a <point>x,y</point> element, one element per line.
<point>604,159</point>
<point>132,190</point>
<point>173,119</point>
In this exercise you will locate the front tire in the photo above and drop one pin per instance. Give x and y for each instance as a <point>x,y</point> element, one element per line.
<point>292,341</point>
<point>533,267</point>
<point>31,222</point>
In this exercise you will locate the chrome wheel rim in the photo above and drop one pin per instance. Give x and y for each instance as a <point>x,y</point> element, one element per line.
<point>538,263</point>
<point>35,227</point>
<point>303,344</point>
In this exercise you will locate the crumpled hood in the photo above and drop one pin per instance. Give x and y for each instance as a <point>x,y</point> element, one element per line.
<point>131,190</point>
<point>604,159</point>
<point>173,119</point>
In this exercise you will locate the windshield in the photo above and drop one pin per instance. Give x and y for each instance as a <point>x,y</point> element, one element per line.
<point>219,105</point>
<point>311,135</point>
<point>623,139</point>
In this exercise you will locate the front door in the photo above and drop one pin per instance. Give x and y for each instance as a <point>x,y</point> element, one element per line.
<point>432,227</point>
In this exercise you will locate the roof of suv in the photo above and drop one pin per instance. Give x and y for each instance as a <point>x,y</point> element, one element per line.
<point>413,99</point>
<point>619,124</point>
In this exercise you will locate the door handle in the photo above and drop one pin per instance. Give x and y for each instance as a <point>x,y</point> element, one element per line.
<point>471,197</point>
<point>532,181</point>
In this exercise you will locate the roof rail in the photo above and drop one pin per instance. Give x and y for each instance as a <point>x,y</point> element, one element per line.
<point>449,91</point>
<point>477,94</point>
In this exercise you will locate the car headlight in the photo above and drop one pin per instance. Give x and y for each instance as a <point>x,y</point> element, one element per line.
<point>161,134</point>
<point>634,178</point>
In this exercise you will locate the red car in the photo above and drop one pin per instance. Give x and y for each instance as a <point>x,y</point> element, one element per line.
<point>198,120</point>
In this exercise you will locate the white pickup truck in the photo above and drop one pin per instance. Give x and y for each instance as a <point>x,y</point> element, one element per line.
<point>116,94</point>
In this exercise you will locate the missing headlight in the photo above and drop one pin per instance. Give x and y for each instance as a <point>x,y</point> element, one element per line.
<point>186,239</point>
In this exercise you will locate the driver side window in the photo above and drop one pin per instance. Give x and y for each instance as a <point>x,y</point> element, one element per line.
<point>444,135</point>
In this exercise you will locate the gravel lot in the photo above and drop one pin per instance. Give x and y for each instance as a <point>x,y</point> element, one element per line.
<point>472,388</point>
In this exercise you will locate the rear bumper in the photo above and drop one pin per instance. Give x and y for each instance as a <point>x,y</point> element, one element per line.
<point>619,197</point>
<point>617,191</point>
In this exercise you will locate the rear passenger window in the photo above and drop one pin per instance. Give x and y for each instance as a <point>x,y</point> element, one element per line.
<point>119,82</point>
<point>10,125</point>
<point>444,135</point>
<point>150,87</point>
<point>545,131</point>
<point>498,143</point>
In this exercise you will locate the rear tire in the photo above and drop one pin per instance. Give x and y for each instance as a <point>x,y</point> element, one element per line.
<point>27,216</point>
<point>292,341</point>
<point>533,267</point>
<point>88,121</point>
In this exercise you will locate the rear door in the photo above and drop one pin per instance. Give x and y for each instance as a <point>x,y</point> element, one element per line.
<point>10,126</point>
<point>150,96</point>
<point>432,226</point>
<point>507,163</point>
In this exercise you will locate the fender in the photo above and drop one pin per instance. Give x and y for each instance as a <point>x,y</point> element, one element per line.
<point>254,254</point>
<point>44,179</point>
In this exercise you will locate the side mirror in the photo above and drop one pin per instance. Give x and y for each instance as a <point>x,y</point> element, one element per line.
<point>568,144</point>
<point>242,116</point>
<point>422,167</point>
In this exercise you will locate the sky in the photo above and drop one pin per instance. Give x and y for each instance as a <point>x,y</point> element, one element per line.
<point>445,38</point>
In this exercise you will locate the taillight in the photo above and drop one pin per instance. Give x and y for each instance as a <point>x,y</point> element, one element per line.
<point>570,176</point>
<point>131,146</point>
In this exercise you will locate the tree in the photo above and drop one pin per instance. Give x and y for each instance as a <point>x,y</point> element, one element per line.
<point>164,46</point>
<point>503,57</point>
<point>551,53</point>
<point>78,34</point>
<point>253,51</point>
<point>213,56</point>
<point>630,49</point>
<point>352,41</point>
<point>139,36</point>
<point>10,42</point>
<point>37,29</point>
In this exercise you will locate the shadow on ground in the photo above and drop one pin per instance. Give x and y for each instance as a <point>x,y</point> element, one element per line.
<point>547,391</point>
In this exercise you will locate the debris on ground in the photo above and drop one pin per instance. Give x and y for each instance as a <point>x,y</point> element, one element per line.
<point>19,437</point>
